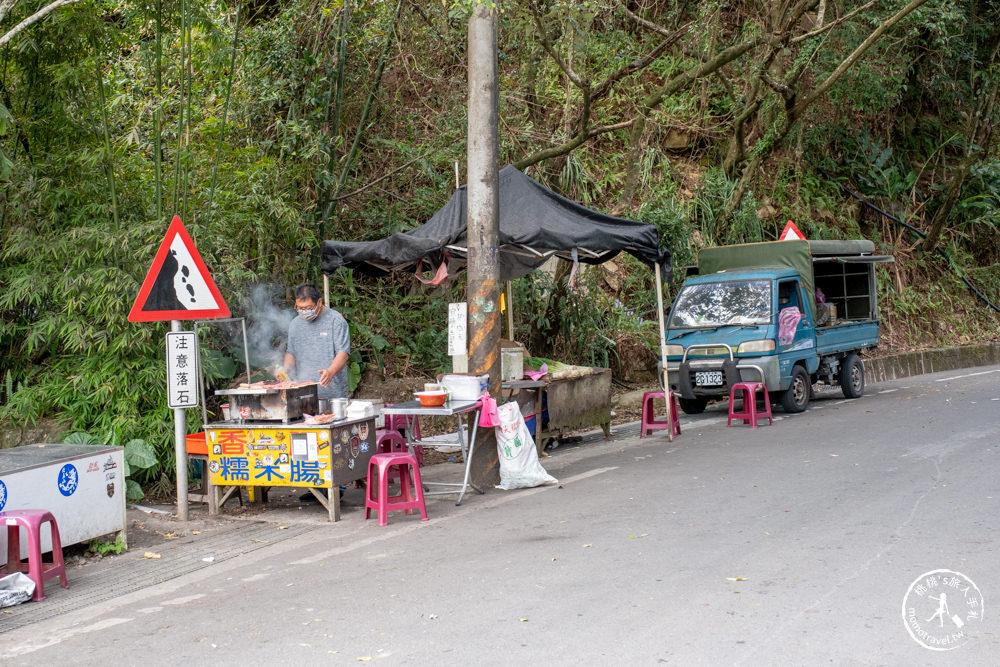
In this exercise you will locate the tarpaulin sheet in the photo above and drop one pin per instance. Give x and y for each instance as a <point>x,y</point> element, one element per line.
<point>535,223</point>
<point>774,254</point>
<point>798,255</point>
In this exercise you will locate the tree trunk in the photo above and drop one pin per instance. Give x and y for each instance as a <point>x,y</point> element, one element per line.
<point>795,109</point>
<point>944,211</point>
<point>633,160</point>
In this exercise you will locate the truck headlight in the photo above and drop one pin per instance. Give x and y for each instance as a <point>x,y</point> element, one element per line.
<point>675,350</point>
<point>763,345</point>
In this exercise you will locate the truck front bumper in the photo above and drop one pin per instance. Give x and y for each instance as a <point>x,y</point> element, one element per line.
<point>736,370</point>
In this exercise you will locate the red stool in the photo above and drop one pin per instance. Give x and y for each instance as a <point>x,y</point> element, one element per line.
<point>649,421</point>
<point>38,570</point>
<point>748,412</point>
<point>389,440</point>
<point>411,493</point>
<point>399,422</point>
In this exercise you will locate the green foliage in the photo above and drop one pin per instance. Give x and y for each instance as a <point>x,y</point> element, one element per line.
<point>101,548</point>
<point>140,458</point>
<point>977,213</point>
<point>673,220</point>
<point>708,205</point>
<point>580,326</point>
<point>139,455</point>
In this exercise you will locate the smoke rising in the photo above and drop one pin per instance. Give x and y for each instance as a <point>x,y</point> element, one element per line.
<point>267,325</point>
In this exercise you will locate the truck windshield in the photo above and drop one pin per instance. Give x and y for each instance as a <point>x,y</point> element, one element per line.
<point>719,304</point>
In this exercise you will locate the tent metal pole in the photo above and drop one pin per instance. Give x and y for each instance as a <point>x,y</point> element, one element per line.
<point>326,290</point>
<point>510,311</point>
<point>663,353</point>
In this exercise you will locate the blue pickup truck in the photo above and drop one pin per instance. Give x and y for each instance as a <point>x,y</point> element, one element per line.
<point>787,313</point>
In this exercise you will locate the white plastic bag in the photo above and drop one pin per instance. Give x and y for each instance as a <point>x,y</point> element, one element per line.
<point>15,589</point>
<point>519,466</point>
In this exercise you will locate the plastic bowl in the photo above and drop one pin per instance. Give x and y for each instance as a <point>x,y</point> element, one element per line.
<point>432,399</point>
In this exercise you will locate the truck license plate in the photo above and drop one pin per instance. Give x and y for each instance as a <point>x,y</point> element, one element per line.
<point>708,378</point>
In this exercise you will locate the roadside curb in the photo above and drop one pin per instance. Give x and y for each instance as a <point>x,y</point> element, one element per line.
<point>884,369</point>
<point>921,362</point>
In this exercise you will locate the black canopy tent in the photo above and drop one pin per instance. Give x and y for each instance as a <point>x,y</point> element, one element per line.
<point>535,224</point>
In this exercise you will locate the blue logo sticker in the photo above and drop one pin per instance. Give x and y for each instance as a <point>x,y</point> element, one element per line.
<point>3,495</point>
<point>69,479</point>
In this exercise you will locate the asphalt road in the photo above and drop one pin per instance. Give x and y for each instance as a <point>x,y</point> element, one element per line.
<point>791,544</point>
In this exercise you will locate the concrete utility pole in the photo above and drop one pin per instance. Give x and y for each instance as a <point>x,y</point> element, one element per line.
<point>483,291</point>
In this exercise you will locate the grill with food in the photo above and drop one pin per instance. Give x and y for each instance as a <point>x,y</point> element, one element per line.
<point>272,401</point>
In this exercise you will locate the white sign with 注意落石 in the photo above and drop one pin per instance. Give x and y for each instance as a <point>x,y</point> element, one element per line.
<point>182,369</point>
<point>457,327</point>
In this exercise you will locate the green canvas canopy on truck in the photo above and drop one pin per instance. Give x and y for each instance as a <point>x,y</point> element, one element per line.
<point>797,255</point>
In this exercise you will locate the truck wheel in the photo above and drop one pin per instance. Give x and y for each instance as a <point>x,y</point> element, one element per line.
<point>796,398</point>
<point>692,406</point>
<point>852,376</point>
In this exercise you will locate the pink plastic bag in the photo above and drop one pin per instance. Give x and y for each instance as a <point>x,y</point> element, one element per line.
<point>534,375</point>
<point>488,415</point>
<point>788,320</point>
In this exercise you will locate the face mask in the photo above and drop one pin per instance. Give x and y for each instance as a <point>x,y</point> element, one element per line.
<point>308,314</point>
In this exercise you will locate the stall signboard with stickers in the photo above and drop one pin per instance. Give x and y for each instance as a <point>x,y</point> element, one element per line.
<point>317,456</point>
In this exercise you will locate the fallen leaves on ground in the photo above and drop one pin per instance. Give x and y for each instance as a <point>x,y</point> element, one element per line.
<point>150,554</point>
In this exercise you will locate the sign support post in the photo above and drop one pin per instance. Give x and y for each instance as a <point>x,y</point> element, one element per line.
<point>178,286</point>
<point>663,354</point>
<point>180,451</point>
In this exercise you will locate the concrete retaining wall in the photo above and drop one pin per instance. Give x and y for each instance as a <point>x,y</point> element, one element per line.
<point>930,361</point>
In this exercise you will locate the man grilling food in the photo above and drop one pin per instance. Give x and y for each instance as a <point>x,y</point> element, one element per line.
<point>319,343</point>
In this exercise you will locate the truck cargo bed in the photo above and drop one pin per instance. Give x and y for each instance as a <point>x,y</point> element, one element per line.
<point>846,335</point>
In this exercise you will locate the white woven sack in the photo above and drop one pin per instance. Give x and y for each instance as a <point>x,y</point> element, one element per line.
<point>519,465</point>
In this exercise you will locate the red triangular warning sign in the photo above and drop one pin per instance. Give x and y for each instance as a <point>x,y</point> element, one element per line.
<point>791,233</point>
<point>178,286</point>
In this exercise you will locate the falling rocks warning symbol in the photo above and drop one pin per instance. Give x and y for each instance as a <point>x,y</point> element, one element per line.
<point>178,286</point>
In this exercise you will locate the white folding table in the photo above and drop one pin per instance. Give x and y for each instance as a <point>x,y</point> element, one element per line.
<point>412,408</point>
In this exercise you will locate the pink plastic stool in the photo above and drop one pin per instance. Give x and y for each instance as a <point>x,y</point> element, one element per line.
<point>399,422</point>
<point>390,440</point>
<point>650,423</point>
<point>748,412</point>
<point>38,570</point>
<point>411,493</point>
